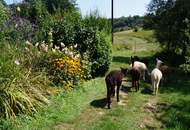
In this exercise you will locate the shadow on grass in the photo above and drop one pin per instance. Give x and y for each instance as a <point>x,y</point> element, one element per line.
<point>146,90</point>
<point>179,84</point>
<point>99,103</point>
<point>126,89</point>
<point>176,115</point>
<point>121,59</point>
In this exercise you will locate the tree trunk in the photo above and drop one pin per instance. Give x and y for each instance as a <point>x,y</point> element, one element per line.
<point>168,46</point>
<point>184,49</point>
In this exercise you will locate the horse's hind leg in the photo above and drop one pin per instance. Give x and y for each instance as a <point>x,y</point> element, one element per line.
<point>113,91</point>
<point>108,96</point>
<point>157,86</point>
<point>138,84</point>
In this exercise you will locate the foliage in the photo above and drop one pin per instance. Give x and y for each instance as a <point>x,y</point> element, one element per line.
<point>186,67</point>
<point>3,17</point>
<point>3,2</point>
<point>128,22</point>
<point>172,23</point>
<point>15,29</point>
<point>90,38</point>
<point>97,22</point>
<point>135,29</point>
<point>33,10</point>
<point>62,28</point>
<point>64,107</point>
<point>2,13</point>
<point>27,75</point>
<point>100,55</point>
<point>22,88</point>
<point>54,6</point>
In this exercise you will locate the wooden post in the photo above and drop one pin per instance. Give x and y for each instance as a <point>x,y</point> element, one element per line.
<point>112,21</point>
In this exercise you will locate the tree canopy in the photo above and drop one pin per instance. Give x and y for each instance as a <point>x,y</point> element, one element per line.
<point>171,20</point>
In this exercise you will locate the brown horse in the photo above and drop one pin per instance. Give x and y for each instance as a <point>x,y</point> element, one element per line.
<point>113,79</point>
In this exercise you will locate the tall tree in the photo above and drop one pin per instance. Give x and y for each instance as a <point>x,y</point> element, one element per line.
<point>172,19</point>
<point>3,2</point>
<point>60,5</point>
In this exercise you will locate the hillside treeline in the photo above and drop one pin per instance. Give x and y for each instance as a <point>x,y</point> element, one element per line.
<point>131,22</point>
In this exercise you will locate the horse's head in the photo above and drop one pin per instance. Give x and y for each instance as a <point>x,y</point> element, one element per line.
<point>158,63</point>
<point>124,71</point>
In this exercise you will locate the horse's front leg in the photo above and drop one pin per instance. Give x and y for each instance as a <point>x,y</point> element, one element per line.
<point>118,88</point>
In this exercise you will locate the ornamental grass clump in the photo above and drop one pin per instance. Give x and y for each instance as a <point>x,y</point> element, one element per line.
<point>22,89</point>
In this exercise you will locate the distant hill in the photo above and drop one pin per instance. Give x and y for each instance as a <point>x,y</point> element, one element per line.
<point>129,22</point>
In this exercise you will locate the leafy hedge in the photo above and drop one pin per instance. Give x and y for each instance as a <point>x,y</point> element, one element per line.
<point>186,66</point>
<point>91,40</point>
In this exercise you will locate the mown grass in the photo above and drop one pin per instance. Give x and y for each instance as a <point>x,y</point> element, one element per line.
<point>63,108</point>
<point>85,108</point>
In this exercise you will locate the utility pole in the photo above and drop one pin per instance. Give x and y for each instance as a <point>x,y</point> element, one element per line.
<point>112,21</point>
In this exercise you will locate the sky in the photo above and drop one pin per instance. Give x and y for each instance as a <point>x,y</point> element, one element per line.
<point>121,7</point>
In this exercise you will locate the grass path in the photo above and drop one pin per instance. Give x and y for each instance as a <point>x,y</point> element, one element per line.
<point>134,111</point>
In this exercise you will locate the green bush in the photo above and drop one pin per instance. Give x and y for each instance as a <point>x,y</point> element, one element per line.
<point>186,67</point>
<point>62,27</point>
<point>16,29</point>
<point>97,22</point>
<point>92,39</point>
<point>100,54</point>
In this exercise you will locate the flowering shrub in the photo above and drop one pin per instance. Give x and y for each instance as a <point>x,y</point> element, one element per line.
<point>68,71</point>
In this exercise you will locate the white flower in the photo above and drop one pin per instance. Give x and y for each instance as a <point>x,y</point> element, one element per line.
<point>71,47</point>
<point>28,43</point>
<point>51,45</point>
<point>44,47</point>
<point>75,46</point>
<point>65,49</point>
<point>56,47</point>
<point>16,25</point>
<point>17,62</point>
<point>37,44</point>
<point>39,53</point>
<point>62,45</point>
<point>77,56</point>
<point>27,49</point>
<point>71,54</point>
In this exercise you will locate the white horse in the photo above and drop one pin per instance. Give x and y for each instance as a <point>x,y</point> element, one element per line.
<point>156,76</point>
<point>141,67</point>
